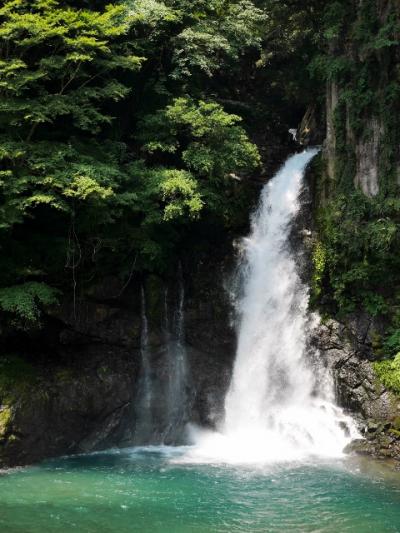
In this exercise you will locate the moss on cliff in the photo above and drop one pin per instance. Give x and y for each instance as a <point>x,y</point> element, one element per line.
<point>388,372</point>
<point>5,419</point>
<point>361,69</point>
<point>358,205</point>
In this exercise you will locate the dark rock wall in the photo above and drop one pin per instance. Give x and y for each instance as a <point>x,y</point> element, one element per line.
<point>83,394</point>
<point>76,408</point>
<point>347,349</point>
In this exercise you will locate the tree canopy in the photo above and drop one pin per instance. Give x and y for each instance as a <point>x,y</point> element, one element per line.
<point>124,126</point>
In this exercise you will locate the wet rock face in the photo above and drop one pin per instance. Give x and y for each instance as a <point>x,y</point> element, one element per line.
<point>310,132</point>
<point>347,350</point>
<point>85,390</point>
<point>367,158</point>
<point>210,337</point>
<point>71,409</point>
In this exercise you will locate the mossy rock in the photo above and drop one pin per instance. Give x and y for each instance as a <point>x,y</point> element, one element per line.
<point>360,447</point>
<point>388,373</point>
<point>396,424</point>
<point>5,420</point>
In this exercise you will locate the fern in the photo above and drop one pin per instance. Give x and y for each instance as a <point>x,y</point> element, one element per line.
<point>25,301</point>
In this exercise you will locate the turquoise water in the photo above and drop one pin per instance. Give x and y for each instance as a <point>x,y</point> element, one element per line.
<point>147,490</point>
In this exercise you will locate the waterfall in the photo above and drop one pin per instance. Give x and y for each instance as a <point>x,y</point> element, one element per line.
<point>280,403</point>
<point>144,427</point>
<point>176,397</point>
<point>161,400</point>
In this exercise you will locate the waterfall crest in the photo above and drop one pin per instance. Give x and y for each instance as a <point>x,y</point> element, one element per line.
<point>280,404</point>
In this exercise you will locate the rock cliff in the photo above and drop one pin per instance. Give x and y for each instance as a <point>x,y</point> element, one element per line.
<point>80,395</point>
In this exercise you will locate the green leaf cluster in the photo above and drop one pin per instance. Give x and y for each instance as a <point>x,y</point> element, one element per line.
<point>388,373</point>
<point>203,138</point>
<point>359,265</point>
<point>26,300</point>
<point>55,63</point>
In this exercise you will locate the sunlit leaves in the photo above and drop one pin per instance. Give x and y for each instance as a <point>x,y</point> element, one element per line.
<point>208,141</point>
<point>60,57</point>
<point>223,32</point>
<point>83,187</point>
<point>179,191</point>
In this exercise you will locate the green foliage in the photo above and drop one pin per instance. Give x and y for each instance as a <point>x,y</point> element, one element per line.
<point>167,194</point>
<point>54,174</point>
<point>180,193</point>
<point>204,138</point>
<point>25,301</point>
<point>392,343</point>
<point>59,75</point>
<point>319,266</point>
<point>388,373</point>
<point>360,237</point>
<point>220,32</point>
<point>54,61</point>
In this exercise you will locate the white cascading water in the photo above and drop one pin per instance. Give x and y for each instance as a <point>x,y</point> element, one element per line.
<point>280,404</point>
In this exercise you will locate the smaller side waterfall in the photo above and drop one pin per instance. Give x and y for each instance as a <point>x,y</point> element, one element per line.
<point>176,393</point>
<point>162,402</point>
<point>144,411</point>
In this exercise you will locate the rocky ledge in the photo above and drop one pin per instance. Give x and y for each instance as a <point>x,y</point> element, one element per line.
<point>381,440</point>
<point>347,348</point>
